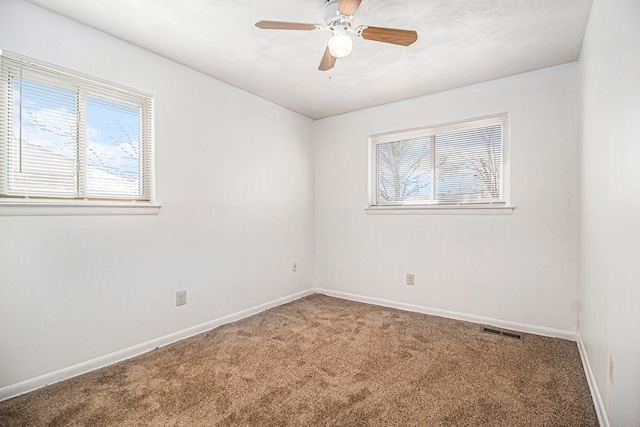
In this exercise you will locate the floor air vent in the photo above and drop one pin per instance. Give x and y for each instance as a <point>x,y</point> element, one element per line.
<point>499,332</point>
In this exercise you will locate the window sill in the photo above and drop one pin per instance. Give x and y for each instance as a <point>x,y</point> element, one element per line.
<point>440,210</point>
<point>68,209</point>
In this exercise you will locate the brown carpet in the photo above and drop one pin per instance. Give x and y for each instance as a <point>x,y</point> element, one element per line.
<point>322,361</point>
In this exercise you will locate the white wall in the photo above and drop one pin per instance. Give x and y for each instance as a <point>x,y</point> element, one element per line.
<point>609,193</point>
<point>234,176</point>
<point>520,267</point>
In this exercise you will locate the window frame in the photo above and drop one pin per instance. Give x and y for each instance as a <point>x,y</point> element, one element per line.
<point>83,203</point>
<point>502,206</point>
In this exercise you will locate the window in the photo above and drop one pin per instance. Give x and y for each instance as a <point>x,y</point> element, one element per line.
<point>453,165</point>
<point>67,137</point>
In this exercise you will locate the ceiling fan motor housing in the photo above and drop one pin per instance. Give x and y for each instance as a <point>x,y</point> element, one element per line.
<point>331,14</point>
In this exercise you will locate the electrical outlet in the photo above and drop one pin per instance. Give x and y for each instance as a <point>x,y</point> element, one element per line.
<point>411,279</point>
<point>611,369</point>
<point>181,297</point>
<point>294,266</point>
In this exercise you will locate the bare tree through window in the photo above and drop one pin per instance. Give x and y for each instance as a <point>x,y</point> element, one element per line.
<point>455,163</point>
<point>470,164</point>
<point>403,170</point>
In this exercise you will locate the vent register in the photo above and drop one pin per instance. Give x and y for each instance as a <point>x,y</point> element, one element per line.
<point>494,331</point>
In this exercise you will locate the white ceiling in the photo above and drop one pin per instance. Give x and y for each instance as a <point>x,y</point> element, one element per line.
<point>460,42</point>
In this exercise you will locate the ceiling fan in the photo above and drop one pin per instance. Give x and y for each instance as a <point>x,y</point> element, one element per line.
<point>337,17</point>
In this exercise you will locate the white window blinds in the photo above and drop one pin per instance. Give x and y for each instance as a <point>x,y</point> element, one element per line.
<point>455,164</point>
<point>66,136</point>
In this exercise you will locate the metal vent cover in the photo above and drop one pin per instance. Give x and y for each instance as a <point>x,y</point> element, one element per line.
<point>494,331</point>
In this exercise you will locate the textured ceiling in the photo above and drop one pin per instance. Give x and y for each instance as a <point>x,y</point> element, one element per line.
<point>460,42</point>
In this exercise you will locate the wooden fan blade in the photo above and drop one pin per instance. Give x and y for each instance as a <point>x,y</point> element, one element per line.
<point>277,25</point>
<point>389,35</point>
<point>348,7</point>
<point>328,61</point>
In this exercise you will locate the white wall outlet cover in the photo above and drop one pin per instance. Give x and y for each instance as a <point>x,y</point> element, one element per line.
<point>181,297</point>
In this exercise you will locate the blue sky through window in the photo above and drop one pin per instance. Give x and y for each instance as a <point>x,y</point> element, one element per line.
<point>113,130</point>
<point>44,157</point>
<point>48,116</point>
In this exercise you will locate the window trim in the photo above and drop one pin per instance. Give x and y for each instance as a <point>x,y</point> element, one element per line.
<point>78,208</point>
<point>440,210</point>
<point>85,205</point>
<point>503,206</point>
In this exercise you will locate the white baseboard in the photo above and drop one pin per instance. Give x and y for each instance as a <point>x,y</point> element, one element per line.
<point>593,386</point>
<point>13,390</point>
<point>522,327</point>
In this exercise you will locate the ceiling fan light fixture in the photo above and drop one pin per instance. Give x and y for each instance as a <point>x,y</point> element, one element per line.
<point>338,15</point>
<point>340,45</point>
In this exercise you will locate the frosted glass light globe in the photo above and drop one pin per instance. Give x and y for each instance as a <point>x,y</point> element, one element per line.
<point>340,45</point>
